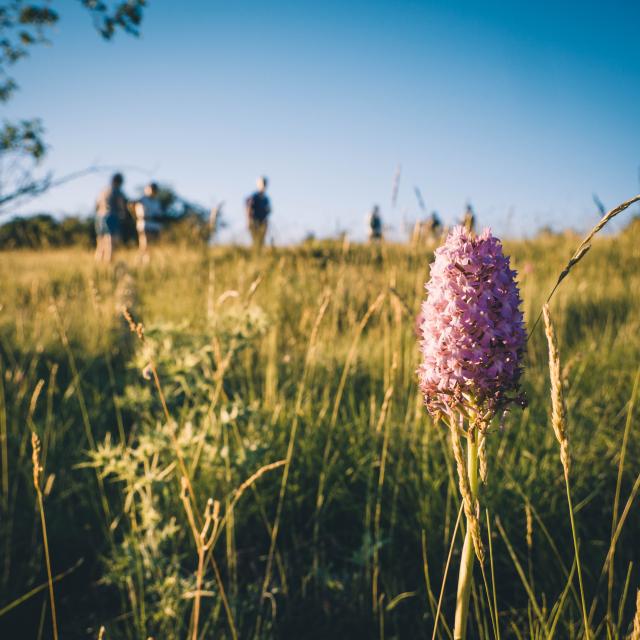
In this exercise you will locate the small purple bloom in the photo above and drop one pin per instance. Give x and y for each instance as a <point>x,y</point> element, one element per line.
<point>472,330</point>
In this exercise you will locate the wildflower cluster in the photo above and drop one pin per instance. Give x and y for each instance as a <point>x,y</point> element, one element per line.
<point>472,332</point>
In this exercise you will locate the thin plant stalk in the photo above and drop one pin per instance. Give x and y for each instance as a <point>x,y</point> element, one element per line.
<point>4,463</point>
<point>84,411</point>
<point>204,539</point>
<point>582,250</point>
<point>425,570</point>
<point>616,499</point>
<point>623,517</point>
<point>493,576</point>
<point>36,590</point>
<point>523,579</point>
<point>290,450</point>
<point>559,423</point>
<point>383,460</point>
<point>4,450</point>
<point>465,577</point>
<point>37,478</point>
<point>138,330</point>
<point>623,599</point>
<point>446,573</point>
<point>574,535</point>
<point>324,472</point>
<point>635,634</point>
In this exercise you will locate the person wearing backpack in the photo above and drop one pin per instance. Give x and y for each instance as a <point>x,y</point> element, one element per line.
<point>469,219</point>
<point>258,210</point>
<point>374,224</point>
<point>147,211</point>
<point>111,211</point>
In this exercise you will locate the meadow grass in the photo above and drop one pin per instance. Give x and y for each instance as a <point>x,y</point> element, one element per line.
<point>304,359</point>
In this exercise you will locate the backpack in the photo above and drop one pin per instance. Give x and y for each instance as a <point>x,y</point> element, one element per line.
<point>258,207</point>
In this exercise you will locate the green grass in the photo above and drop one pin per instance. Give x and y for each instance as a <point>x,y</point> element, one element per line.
<point>366,516</point>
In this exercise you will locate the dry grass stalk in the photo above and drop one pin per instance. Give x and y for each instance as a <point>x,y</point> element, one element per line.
<point>204,539</point>
<point>252,479</point>
<point>529,518</point>
<point>559,423</point>
<point>470,503</point>
<point>324,304</point>
<point>4,447</point>
<point>351,355</point>
<point>64,338</point>
<point>616,499</point>
<point>222,522</point>
<point>585,244</point>
<point>614,540</point>
<point>205,554</point>
<point>37,483</point>
<point>635,634</point>
<point>387,394</point>
<point>34,398</point>
<point>529,537</point>
<point>138,329</point>
<point>36,449</point>
<point>444,576</point>
<point>253,288</point>
<point>584,247</point>
<point>559,410</point>
<point>483,464</point>
<point>238,493</point>
<point>383,460</point>
<point>36,590</point>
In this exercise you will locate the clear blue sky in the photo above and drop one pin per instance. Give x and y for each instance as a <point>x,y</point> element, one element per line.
<point>525,108</point>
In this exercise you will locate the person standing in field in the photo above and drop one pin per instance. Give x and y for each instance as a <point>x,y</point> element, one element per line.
<point>147,211</point>
<point>427,231</point>
<point>469,219</point>
<point>434,225</point>
<point>111,209</point>
<point>258,211</point>
<point>374,222</point>
<point>215,222</point>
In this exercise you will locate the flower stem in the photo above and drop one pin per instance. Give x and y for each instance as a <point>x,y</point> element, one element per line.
<point>466,561</point>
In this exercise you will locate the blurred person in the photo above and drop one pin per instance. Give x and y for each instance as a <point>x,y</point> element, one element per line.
<point>434,225</point>
<point>147,211</point>
<point>258,211</point>
<point>215,222</point>
<point>111,209</point>
<point>427,231</point>
<point>374,223</point>
<point>469,219</point>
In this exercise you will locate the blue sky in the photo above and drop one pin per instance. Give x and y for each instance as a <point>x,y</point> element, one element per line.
<point>525,109</point>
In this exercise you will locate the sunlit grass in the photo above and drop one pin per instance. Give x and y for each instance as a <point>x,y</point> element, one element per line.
<point>369,501</point>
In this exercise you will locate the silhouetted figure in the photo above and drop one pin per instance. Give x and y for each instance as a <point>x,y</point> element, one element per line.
<point>147,211</point>
<point>469,219</point>
<point>434,225</point>
<point>258,211</point>
<point>427,231</point>
<point>215,221</point>
<point>374,223</point>
<point>111,209</point>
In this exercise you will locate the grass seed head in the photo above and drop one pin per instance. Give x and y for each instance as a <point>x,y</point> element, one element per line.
<point>559,411</point>
<point>35,458</point>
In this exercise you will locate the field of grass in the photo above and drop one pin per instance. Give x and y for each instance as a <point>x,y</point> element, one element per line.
<point>304,359</point>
